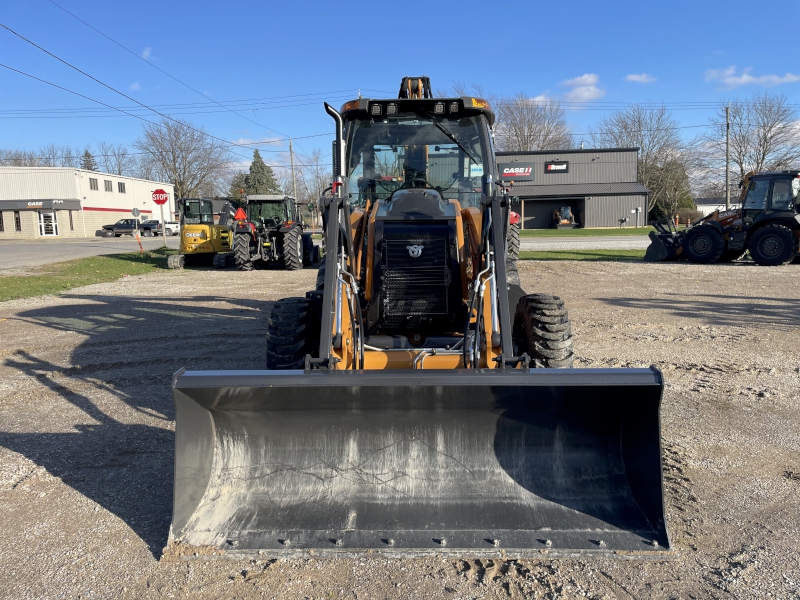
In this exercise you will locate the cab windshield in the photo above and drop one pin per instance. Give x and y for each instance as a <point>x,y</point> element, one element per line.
<point>270,214</point>
<point>410,150</point>
<point>196,212</point>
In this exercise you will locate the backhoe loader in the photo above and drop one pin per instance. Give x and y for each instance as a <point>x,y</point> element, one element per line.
<point>417,402</point>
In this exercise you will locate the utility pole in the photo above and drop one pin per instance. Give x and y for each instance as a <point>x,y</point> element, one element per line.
<point>294,181</point>
<point>727,157</point>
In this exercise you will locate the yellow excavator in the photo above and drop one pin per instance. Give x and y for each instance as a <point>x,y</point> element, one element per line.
<point>417,402</point>
<point>202,240</point>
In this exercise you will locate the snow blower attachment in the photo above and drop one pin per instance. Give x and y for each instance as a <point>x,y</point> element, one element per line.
<point>416,402</point>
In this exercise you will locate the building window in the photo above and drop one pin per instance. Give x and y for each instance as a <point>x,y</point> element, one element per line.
<point>93,184</point>
<point>120,187</point>
<point>17,221</point>
<point>109,185</point>
<point>71,225</point>
<point>2,229</point>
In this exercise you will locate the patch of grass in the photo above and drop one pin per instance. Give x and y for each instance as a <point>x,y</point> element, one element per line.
<point>615,231</point>
<point>606,255</point>
<point>63,276</point>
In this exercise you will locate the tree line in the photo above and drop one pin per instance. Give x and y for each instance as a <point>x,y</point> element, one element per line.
<point>764,135</point>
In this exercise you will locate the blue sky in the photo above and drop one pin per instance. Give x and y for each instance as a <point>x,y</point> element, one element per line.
<point>285,58</point>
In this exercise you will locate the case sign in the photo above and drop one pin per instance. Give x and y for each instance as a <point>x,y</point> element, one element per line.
<point>516,171</point>
<point>557,167</point>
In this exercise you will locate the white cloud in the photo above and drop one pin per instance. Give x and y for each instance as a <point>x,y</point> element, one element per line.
<point>134,86</point>
<point>640,78</point>
<point>731,78</point>
<point>584,88</point>
<point>587,79</point>
<point>584,93</point>
<point>147,52</point>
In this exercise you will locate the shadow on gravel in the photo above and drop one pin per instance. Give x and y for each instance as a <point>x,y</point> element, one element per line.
<point>126,363</point>
<point>716,309</point>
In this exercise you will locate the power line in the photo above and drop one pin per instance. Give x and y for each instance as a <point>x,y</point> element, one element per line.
<point>155,67</point>
<point>118,92</point>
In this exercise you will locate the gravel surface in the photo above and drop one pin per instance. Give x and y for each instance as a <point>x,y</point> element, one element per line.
<point>86,436</point>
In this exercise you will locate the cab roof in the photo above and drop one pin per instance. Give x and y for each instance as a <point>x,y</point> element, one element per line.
<point>464,106</point>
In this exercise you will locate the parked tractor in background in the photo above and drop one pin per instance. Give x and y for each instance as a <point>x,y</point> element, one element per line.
<point>270,229</point>
<point>202,240</point>
<point>767,226</point>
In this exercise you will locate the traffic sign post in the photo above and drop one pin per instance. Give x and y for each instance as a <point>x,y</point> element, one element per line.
<point>160,197</point>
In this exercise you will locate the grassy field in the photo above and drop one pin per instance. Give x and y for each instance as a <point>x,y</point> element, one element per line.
<point>607,255</point>
<point>585,232</point>
<point>63,276</point>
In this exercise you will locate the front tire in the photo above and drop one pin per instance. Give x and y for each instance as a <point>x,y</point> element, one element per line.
<point>108,233</point>
<point>703,244</point>
<point>542,330</point>
<point>292,333</point>
<point>241,252</point>
<point>513,241</point>
<point>773,245</point>
<point>293,249</point>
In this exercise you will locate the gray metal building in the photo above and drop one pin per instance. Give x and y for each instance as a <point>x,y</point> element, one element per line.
<point>599,186</point>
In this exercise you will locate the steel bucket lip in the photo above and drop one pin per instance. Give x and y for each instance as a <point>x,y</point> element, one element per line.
<point>651,376</point>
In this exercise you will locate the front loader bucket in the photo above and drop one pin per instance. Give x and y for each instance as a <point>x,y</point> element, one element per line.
<point>657,250</point>
<point>469,463</point>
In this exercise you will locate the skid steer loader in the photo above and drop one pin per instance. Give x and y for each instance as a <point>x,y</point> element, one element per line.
<point>416,402</point>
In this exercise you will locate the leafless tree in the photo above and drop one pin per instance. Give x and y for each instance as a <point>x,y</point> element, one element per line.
<point>116,159</point>
<point>53,155</point>
<point>19,158</point>
<point>764,137</point>
<point>193,162</point>
<point>525,124</point>
<point>666,161</point>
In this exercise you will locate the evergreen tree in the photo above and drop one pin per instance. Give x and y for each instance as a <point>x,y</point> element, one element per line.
<point>88,162</point>
<point>239,182</point>
<point>261,179</point>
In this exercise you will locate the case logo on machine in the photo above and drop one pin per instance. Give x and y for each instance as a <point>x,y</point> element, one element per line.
<point>415,251</point>
<point>515,171</point>
<point>556,167</point>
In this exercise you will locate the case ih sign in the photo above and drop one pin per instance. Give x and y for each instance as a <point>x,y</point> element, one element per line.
<point>516,171</point>
<point>557,167</point>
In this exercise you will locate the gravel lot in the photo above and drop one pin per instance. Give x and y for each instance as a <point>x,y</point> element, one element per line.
<point>86,436</point>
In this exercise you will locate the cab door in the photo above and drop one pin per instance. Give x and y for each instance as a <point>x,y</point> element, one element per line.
<point>756,200</point>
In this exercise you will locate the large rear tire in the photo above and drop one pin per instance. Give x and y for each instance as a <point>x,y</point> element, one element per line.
<point>703,244</point>
<point>241,252</point>
<point>293,249</point>
<point>773,245</point>
<point>542,330</point>
<point>292,333</point>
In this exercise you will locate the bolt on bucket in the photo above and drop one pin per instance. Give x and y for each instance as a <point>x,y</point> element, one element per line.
<point>427,462</point>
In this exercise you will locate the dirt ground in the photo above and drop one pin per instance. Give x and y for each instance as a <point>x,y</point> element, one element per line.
<point>86,437</point>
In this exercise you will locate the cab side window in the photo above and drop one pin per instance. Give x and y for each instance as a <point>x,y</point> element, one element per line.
<point>781,195</point>
<point>757,195</point>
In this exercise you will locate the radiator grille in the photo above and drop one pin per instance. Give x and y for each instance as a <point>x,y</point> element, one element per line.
<point>415,290</point>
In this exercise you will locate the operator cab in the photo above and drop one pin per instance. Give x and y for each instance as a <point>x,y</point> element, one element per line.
<point>441,144</point>
<point>270,211</point>
<point>197,211</point>
<point>771,193</point>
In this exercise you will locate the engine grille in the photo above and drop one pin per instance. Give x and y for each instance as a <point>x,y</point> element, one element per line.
<point>414,290</point>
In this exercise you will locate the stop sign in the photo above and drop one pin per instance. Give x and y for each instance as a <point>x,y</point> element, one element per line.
<point>160,197</point>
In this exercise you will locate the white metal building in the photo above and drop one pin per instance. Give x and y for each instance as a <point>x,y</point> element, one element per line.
<point>45,202</point>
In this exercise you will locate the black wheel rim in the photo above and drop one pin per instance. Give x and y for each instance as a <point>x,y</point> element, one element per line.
<point>701,244</point>
<point>771,246</point>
